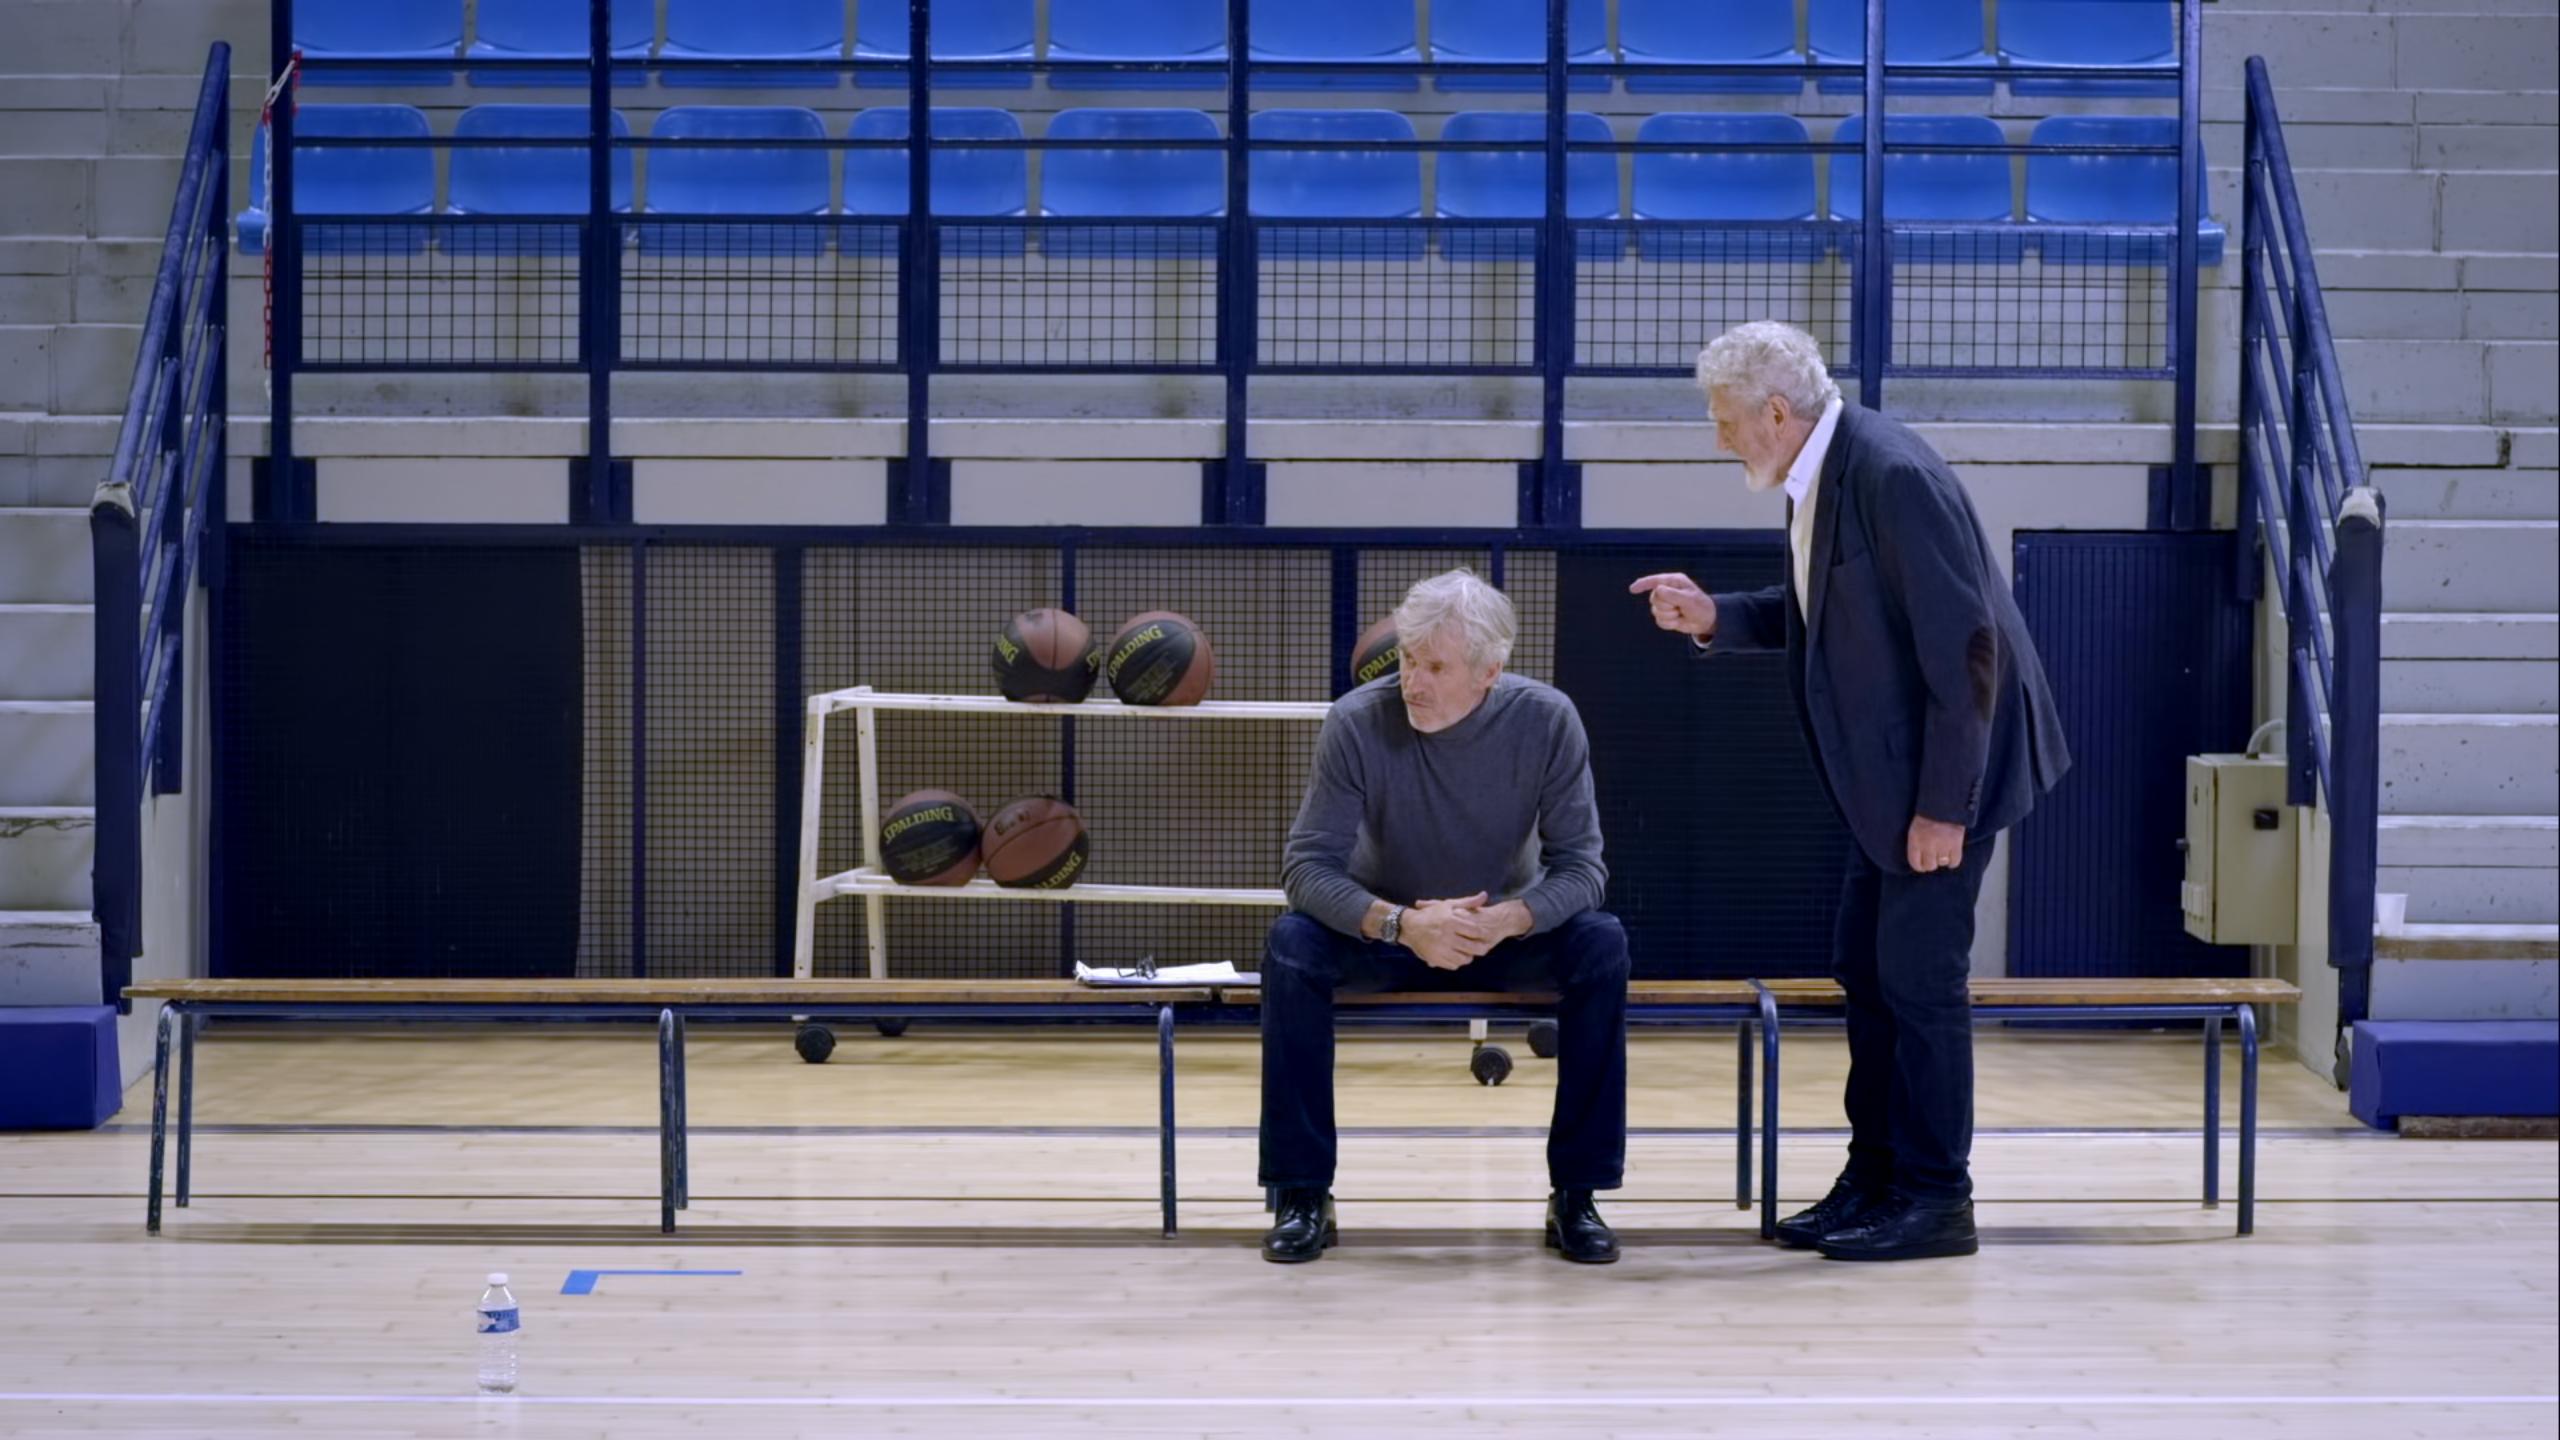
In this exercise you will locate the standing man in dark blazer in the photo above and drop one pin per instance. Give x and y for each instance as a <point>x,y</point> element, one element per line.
<point>1932,728</point>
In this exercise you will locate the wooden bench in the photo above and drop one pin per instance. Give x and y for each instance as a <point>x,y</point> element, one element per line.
<point>2009,998</point>
<point>1749,1005</point>
<point>670,1002</point>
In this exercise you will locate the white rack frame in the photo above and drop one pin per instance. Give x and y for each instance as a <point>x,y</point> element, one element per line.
<point>873,884</point>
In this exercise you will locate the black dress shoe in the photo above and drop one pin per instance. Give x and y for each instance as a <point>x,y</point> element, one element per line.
<point>1576,1231</point>
<point>1303,1229</point>
<point>1847,1207</point>
<point>1907,1229</point>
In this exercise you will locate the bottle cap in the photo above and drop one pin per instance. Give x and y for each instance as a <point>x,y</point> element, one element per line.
<point>498,1278</point>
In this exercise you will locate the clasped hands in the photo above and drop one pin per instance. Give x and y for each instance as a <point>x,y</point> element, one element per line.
<point>1448,934</point>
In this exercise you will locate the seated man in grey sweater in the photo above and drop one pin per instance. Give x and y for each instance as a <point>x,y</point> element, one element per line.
<point>1448,840</point>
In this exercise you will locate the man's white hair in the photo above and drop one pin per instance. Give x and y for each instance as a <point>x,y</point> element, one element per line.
<point>1754,361</point>
<point>1458,603</point>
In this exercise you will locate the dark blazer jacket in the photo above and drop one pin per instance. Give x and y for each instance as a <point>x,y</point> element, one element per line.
<point>1918,688</point>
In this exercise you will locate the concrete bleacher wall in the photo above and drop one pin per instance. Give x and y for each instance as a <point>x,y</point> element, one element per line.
<point>2423,133</point>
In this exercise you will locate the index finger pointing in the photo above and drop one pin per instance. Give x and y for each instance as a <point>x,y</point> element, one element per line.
<point>1651,583</point>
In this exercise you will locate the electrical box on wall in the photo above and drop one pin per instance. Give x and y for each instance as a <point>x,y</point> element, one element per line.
<point>2241,844</point>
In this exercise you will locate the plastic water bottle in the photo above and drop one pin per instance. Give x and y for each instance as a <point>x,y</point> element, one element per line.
<point>499,1326</point>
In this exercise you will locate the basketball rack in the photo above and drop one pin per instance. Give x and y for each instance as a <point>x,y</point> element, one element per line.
<point>875,888</point>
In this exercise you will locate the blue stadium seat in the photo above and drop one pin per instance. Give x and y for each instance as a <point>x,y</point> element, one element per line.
<point>962,30</point>
<point>524,180</point>
<point>1504,185</point>
<point>377,30</point>
<point>1137,180</point>
<point>1336,184</point>
<point>1916,32</point>
<point>1515,32</point>
<point>1356,32</point>
<point>1957,189</point>
<point>349,181</point>
<point>1735,32</point>
<point>2110,34</point>
<point>762,30</point>
<point>738,181</point>
<point>965,182</point>
<point>1166,30</point>
<point>557,29</point>
<point>2111,190</point>
<point>1715,182</point>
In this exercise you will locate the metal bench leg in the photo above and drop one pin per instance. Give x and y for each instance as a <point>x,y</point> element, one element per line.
<point>188,1025</point>
<point>1768,1113</point>
<point>1742,1116</point>
<point>2213,1112</point>
<point>666,1122</point>
<point>684,1124</point>
<point>2248,1120</point>
<point>159,1113</point>
<point>1164,1112</point>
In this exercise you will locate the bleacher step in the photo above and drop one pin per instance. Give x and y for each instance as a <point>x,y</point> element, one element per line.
<point>2475,894</point>
<point>47,753</point>
<point>2472,565</point>
<point>44,556</point>
<point>45,857</point>
<point>2481,1067</point>
<point>2460,687</point>
<point>2470,635</point>
<point>47,652</point>
<point>48,957</point>
<point>2470,764</point>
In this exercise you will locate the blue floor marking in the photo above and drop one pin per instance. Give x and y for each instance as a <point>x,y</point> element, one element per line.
<point>583,1282</point>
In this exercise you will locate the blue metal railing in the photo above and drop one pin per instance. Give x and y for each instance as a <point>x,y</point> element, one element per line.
<point>2305,498</point>
<point>918,494</point>
<point>148,522</point>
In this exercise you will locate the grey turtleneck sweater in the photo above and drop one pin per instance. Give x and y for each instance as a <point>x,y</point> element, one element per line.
<point>1499,802</point>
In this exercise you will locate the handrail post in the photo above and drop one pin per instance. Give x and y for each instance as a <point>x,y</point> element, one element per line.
<point>2182,275</point>
<point>2246,564</point>
<point>1556,266</point>
<point>599,309</point>
<point>1237,283</point>
<point>2355,750</point>
<point>284,259</point>
<point>920,313</point>
<point>1871,304</point>
<point>2301,517</point>
<point>116,871</point>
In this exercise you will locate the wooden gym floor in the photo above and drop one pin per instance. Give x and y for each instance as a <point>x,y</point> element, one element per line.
<point>952,1234</point>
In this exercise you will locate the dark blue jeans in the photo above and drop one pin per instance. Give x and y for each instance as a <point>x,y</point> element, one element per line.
<point>1584,961</point>
<point>1902,953</point>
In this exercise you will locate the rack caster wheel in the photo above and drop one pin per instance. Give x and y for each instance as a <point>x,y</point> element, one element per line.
<point>1543,1041</point>
<point>890,1029</point>
<point>1491,1064</point>
<point>815,1043</point>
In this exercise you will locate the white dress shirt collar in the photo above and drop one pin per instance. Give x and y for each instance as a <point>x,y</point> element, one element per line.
<point>1808,463</point>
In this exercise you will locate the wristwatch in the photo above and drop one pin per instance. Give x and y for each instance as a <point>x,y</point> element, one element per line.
<point>1390,927</point>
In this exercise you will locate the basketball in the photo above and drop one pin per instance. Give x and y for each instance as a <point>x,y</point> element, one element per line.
<point>1160,658</point>
<point>1378,653</point>
<point>1046,657</point>
<point>930,838</point>
<point>1036,844</point>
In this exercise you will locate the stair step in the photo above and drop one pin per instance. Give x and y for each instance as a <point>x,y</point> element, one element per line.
<point>2530,842</point>
<point>2471,635</point>
<point>2413,494</point>
<point>48,652</point>
<point>2434,566</point>
<point>2470,764</point>
<point>2524,988</point>
<point>2470,687</point>
<point>44,556</point>
<point>2475,894</point>
<point>45,857</point>
<point>2414,941</point>
<point>48,957</point>
<point>47,753</point>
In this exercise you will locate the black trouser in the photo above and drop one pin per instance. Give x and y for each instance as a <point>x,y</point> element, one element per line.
<point>1584,961</point>
<point>1902,954</point>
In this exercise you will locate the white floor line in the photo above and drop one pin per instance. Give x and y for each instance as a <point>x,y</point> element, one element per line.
<point>1298,1402</point>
